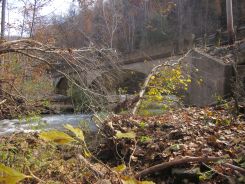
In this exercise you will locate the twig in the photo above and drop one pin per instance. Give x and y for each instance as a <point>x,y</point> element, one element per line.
<point>132,154</point>
<point>231,181</point>
<point>33,176</point>
<point>241,170</point>
<point>90,166</point>
<point>165,165</point>
<point>2,102</point>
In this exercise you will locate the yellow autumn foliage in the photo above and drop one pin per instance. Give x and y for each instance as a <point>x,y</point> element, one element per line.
<point>9,175</point>
<point>56,137</point>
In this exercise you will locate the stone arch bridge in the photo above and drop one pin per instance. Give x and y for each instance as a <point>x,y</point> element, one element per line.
<point>131,72</point>
<point>215,74</point>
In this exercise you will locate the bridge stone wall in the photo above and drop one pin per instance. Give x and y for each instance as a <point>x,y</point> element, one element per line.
<point>211,78</point>
<point>143,67</point>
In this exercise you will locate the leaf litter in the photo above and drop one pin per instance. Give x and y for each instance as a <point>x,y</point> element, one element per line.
<point>189,132</point>
<point>131,144</point>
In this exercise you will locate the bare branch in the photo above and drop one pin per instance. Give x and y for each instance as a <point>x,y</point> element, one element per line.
<point>165,165</point>
<point>241,170</point>
<point>171,63</point>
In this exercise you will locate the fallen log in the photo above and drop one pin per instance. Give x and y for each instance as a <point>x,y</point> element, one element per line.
<point>165,165</point>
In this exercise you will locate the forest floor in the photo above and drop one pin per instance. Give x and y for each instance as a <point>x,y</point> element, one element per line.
<point>189,145</point>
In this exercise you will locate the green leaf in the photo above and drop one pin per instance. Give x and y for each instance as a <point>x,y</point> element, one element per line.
<point>129,135</point>
<point>242,165</point>
<point>77,131</point>
<point>9,175</point>
<point>206,176</point>
<point>130,180</point>
<point>56,136</point>
<point>142,124</point>
<point>120,168</point>
<point>174,147</point>
<point>145,139</point>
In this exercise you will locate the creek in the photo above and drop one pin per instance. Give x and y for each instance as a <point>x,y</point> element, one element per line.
<point>46,123</point>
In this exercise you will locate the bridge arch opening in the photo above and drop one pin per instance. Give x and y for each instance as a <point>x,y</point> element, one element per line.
<point>61,86</point>
<point>116,82</point>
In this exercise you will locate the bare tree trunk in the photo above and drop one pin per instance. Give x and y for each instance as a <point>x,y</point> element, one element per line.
<point>180,41</point>
<point>2,31</point>
<point>3,18</point>
<point>33,18</point>
<point>230,26</point>
<point>218,7</point>
<point>8,14</point>
<point>23,23</point>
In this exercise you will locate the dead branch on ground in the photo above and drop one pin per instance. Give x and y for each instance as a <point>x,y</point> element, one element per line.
<point>165,165</point>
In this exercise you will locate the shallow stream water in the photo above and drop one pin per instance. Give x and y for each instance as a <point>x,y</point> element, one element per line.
<point>46,123</point>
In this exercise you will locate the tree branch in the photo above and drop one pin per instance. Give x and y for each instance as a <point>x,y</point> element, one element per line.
<point>2,102</point>
<point>234,167</point>
<point>165,165</point>
<point>147,80</point>
<point>90,166</point>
